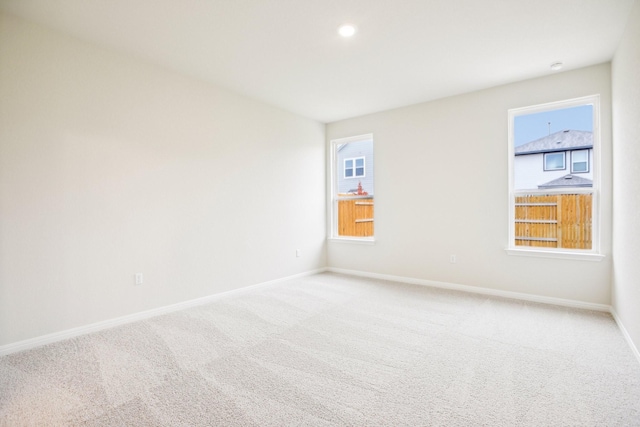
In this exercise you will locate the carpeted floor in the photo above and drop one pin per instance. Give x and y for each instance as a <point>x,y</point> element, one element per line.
<point>332,350</point>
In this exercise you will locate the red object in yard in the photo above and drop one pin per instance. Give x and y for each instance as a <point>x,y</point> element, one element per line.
<point>360,192</point>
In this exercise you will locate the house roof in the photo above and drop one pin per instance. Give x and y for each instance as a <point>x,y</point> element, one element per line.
<point>568,181</point>
<point>559,141</point>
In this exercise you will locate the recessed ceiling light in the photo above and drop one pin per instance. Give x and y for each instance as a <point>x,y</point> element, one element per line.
<point>556,66</point>
<point>346,30</point>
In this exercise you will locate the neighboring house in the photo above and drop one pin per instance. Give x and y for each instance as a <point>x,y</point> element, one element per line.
<point>355,166</point>
<point>562,159</point>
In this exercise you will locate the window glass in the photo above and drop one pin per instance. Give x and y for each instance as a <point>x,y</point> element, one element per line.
<point>352,198</point>
<point>348,168</point>
<point>579,161</point>
<point>550,207</point>
<point>553,161</point>
<point>360,167</point>
<point>358,171</point>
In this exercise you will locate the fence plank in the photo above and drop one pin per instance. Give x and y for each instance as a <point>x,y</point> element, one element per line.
<point>355,217</point>
<point>563,220</point>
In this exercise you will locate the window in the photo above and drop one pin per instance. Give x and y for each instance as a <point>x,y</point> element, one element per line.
<point>554,161</point>
<point>580,161</point>
<point>553,212</point>
<point>352,188</point>
<point>356,164</point>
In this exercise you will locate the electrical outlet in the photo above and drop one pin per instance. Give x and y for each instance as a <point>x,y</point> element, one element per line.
<point>453,259</point>
<point>297,253</point>
<point>139,278</point>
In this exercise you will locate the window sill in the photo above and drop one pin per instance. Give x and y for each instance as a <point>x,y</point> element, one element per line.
<point>539,253</point>
<point>356,240</point>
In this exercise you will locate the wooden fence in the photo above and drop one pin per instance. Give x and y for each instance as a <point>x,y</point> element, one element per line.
<point>355,217</point>
<point>554,221</point>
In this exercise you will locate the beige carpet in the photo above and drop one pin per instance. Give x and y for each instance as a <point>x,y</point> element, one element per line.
<point>332,350</point>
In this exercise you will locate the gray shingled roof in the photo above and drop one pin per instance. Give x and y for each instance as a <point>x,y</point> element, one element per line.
<point>568,181</point>
<point>559,141</point>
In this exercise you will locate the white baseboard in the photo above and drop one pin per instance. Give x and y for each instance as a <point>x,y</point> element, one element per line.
<point>95,327</point>
<point>478,290</point>
<point>499,293</point>
<point>626,335</point>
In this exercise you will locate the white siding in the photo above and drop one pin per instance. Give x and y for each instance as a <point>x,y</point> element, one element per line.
<point>529,173</point>
<point>352,150</point>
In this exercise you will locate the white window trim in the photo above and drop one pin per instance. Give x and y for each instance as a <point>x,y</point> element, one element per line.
<point>572,162</point>
<point>356,240</point>
<point>564,161</point>
<point>333,190</point>
<point>364,168</point>
<point>593,254</point>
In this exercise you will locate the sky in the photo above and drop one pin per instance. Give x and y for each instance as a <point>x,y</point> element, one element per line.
<point>530,127</point>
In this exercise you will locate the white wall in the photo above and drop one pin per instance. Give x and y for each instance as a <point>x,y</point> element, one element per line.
<point>626,178</point>
<point>110,166</point>
<point>449,196</point>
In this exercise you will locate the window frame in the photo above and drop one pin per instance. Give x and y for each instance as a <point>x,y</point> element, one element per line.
<point>564,161</point>
<point>333,190</point>
<point>355,168</point>
<point>586,151</point>
<point>593,254</point>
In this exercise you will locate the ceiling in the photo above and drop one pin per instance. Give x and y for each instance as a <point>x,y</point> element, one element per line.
<point>288,53</point>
